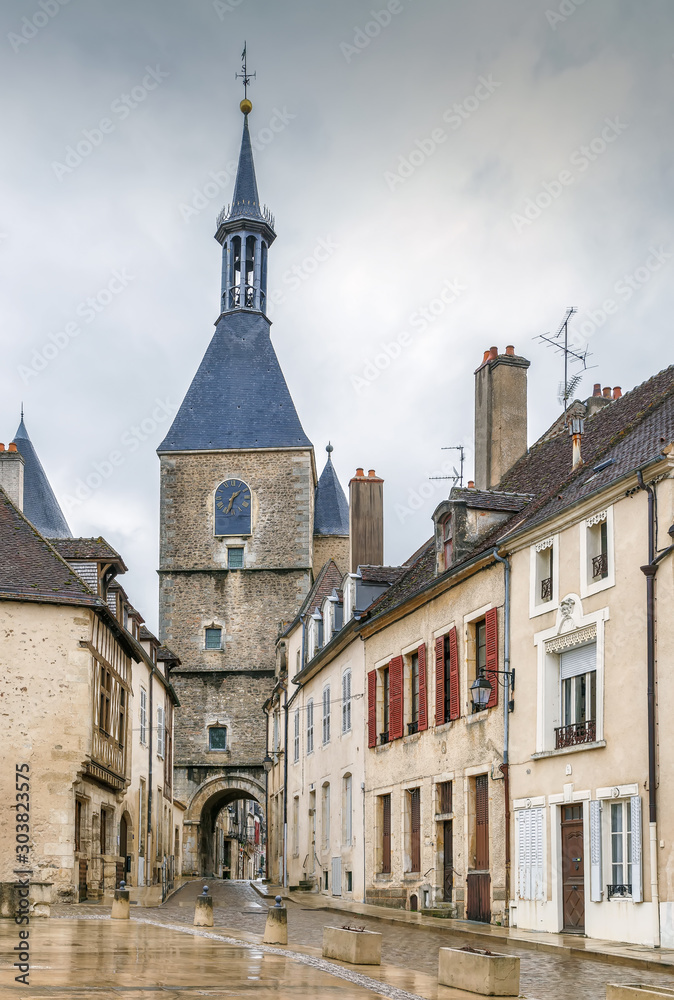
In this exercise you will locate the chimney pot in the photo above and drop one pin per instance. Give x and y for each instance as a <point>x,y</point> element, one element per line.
<point>510,349</point>
<point>2,447</point>
<point>11,473</point>
<point>606,393</point>
<point>371,474</point>
<point>471,484</point>
<point>597,389</point>
<point>493,353</point>
<point>486,357</point>
<point>617,392</point>
<point>12,446</point>
<point>359,473</point>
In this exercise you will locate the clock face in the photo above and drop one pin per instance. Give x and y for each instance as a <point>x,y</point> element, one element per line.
<point>232,508</point>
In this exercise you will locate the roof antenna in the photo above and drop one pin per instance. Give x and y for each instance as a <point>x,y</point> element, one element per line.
<point>458,476</point>
<point>22,409</point>
<point>560,341</point>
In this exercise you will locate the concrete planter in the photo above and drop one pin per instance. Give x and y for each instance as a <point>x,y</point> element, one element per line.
<point>477,972</point>
<point>636,992</point>
<point>355,947</point>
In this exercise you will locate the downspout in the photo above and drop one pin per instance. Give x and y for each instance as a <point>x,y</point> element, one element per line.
<point>148,852</point>
<point>649,571</point>
<point>285,787</point>
<point>505,766</point>
<point>266,801</point>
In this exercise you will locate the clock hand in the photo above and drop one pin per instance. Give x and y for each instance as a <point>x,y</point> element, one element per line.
<point>231,500</point>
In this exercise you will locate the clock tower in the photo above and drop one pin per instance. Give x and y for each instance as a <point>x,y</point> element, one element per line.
<point>236,533</point>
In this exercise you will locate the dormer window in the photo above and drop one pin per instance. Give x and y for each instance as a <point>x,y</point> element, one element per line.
<point>447,541</point>
<point>213,637</point>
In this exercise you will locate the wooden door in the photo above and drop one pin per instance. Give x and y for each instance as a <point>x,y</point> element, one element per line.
<point>415,825</point>
<point>82,888</point>
<point>123,837</point>
<point>478,892</point>
<point>448,860</point>
<point>386,833</point>
<point>573,869</point>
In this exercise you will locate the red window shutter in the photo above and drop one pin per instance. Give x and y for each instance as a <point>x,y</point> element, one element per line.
<point>423,689</point>
<point>396,698</point>
<point>372,708</point>
<point>491,629</point>
<point>454,702</point>
<point>440,680</point>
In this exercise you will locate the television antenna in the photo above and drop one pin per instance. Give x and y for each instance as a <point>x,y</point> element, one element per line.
<point>458,476</point>
<point>560,342</point>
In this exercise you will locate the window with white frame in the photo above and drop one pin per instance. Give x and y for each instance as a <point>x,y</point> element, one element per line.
<point>347,806</point>
<point>161,742</point>
<point>296,735</point>
<point>349,598</point>
<point>578,695</point>
<point>596,552</point>
<point>326,714</point>
<point>328,617</point>
<point>276,732</point>
<point>346,701</point>
<point>621,848</point>
<point>325,814</point>
<point>543,573</point>
<point>143,715</point>
<point>310,726</point>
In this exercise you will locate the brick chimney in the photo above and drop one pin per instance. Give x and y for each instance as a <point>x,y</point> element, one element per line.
<point>11,474</point>
<point>366,520</point>
<point>500,415</point>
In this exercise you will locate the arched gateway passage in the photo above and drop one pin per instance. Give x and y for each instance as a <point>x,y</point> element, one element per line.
<point>202,813</point>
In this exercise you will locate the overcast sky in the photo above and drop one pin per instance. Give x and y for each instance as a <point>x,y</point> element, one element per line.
<point>517,155</point>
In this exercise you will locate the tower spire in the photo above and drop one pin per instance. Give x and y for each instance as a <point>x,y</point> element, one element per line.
<point>245,228</point>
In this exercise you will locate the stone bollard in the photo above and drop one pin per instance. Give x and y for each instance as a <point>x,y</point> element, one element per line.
<point>203,911</point>
<point>120,904</point>
<point>276,928</point>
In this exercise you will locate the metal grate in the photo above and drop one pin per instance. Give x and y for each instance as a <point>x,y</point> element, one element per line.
<point>618,890</point>
<point>577,732</point>
<point>600,566</point>
<point>546,589</point>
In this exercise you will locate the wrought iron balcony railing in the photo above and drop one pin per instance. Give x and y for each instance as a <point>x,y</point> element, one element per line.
<point>546,589</point>
<point>412,727</point>
<point>619,890</point>
<point>383,737</point>
<point>600,566</point>
<point>577,732</point>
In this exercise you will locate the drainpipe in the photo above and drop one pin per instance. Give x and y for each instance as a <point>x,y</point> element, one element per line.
<point>505,766</point>
<point>266,801</point>
<point>285,787</point>
<point>148,852</point>
<point>362,788</point>
<point>649,572</point>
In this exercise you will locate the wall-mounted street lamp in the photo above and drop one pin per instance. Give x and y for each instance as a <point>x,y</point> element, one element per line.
<point>481,688</point>
<point>271,760</point>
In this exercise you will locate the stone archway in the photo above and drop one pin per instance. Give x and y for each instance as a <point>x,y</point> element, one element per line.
<point>202,812</point>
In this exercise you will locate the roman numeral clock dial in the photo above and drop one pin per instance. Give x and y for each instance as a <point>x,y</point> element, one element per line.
<point>232,508</point>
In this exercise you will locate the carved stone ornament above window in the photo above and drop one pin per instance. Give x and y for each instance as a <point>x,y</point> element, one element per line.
<point>596,518</point>
<point>547,543</point>
<point>570,639</point>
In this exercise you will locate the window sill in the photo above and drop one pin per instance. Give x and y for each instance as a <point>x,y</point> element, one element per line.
<point>589,589</point>
<point>412,738</point>
<point>223,750</point>
<point>564,750</point>
<point>543,609</point>
<point>442,817</point>
<point>477,717</point>
<point>384,876</point>
<point>382,747</point>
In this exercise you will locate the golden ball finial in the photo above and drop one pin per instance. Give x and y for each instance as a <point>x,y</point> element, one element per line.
<point>246,106</point>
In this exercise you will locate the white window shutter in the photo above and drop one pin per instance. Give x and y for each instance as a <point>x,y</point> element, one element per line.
<point>524,841</point>
<point>637,882</point>
<point>538,891</point>
<point>595,851</point>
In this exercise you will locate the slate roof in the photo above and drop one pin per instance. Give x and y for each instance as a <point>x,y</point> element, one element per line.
<point>331,508</point>
<point>39,502</point>
<point>144,633</point>
<point>86,549</point>
<point>413,576</point>
<point>164,654</point>
<point>381,574</point>
<point>490,499</point>
<point>238,397</point>
<point>31,569</point>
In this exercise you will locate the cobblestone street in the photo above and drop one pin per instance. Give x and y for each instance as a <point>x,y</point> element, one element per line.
<point>238,906</point>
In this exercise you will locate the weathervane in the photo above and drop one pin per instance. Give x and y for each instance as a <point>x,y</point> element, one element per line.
<point>560,341</point>
<point>246,77</point>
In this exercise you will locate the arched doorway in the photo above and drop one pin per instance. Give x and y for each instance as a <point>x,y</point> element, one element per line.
<point>123,867</point>
<point>201,855</point>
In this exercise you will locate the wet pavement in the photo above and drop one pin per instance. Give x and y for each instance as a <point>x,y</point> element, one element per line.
<point>80,953</point>
<point>238,906</point>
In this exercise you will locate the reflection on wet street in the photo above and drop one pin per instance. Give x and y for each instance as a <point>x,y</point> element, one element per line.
<point>90,955</point>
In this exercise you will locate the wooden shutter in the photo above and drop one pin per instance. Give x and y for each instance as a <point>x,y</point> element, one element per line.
<point>482,822</point>
<point>440,680</point>
<point>595,851</point>
<point>637,881</point>
<point>396,698</point>
<point>454,703</point>
<point>491,629</point>
<point>423,689</point>
<point>372,708</point>
<point>415,829</point>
